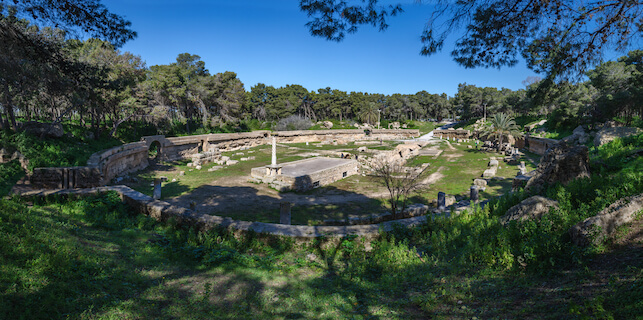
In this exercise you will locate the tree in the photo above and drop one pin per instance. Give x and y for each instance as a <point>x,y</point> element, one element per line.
<point>400,181</point>
<point>89,17</point>
<point>119,75</point>
<point>556,37</point>
<point>502,124</point>
<point>369,113</point>
<point>35,58</point>
<point>620,86</point>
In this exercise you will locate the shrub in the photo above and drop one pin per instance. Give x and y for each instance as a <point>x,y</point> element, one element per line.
<point>293,122</point>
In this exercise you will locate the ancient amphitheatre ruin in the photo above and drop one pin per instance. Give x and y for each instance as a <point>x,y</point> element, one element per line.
<point>225,180</point>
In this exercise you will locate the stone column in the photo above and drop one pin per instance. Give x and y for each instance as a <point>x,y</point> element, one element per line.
<point>157,189</point>
<point>474,193</point>
<point>274,152</point>
<point>441,201</point>
<point>284,214</point>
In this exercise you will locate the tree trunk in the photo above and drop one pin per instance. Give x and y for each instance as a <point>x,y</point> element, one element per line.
<point>9,107</point>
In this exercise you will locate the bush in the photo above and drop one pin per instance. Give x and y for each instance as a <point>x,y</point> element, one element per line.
<point>293,122</point>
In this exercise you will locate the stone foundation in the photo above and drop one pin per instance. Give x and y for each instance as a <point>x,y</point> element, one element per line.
<point>306,174</point>
<point>452,134</point>
<point>539,145</point>
<point>103,166</point>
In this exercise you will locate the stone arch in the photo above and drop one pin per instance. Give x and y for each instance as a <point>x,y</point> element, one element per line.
<point>154,150</point>
<point>201,148</point>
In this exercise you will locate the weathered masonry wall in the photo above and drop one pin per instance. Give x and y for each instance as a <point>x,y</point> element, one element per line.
<point>452,134</point>
<point>539,145</point>
<point>323,177</point>
<point>308,180</point>
<point>345,135</point>
<point>105,165</point>
<point>66,178</point>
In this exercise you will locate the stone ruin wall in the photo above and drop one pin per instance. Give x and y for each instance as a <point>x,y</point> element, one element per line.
<point>452,134</point>
<point>103,166</point>
<point>540,145</point>
<point>65,177</point>
<point>347,135</point>
<point>324,177</point>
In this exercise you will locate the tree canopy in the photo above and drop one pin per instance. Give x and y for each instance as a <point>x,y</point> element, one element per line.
<point>556,37</point>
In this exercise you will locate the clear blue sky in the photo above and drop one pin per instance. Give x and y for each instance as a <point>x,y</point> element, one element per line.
<point>267,42</point>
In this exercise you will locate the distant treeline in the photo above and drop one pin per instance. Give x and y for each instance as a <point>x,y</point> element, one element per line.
<point>93,84</point>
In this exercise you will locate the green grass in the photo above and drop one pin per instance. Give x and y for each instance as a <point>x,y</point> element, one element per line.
<point>49,152</point>
<point>461,166</point>
<point>10,173</point>
<point>91,259</point>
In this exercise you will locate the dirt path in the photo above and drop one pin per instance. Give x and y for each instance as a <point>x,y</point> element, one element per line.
<point>434,177</point>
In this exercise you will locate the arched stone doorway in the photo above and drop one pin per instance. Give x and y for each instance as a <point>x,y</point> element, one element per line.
<point>154,151</point>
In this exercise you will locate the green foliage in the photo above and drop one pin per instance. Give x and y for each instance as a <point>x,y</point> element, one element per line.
<point>621,153</point>
<point>62,152</point>
<point>293,122</point>
<point>10,173</point>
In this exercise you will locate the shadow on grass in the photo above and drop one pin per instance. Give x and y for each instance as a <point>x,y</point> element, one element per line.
<point>245,203</point>
<point>173,189</point>
<point>66,268</point>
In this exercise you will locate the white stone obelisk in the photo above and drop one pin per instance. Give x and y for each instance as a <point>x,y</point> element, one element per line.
<point>274,152</point>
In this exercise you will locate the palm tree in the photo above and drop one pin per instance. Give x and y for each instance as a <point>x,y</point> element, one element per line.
<point>369,113</point>
<point>502,124</point>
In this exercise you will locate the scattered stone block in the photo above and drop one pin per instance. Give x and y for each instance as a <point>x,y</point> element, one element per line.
<point>606,135</point>
<point>596,229</point>
<point>284,213</point>
<point>441,201</point>
<point>231,162</point>
<point>480,182</point>
<point>561,163</point>
<point>531,208</point>
<point>51,130</point>
<point>473,193</point>
<point>198,167</point>
<point>490,173</point>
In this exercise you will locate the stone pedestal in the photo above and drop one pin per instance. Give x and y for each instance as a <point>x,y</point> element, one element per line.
<point>474,193</point>
<point>273,170</point>
<point>284,213</point>
<point>156,194</point>
<point>157,189</point>
<point>441,201</point>
<point>522,168</point>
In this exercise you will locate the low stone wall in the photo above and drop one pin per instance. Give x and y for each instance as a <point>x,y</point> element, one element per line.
<point>163,211</point>
<point>452,134</point>
<point>120,160</point>
<point>539,145</point>
<point>346,135</point>
<point>65,178</point>
<point>322,177</point>
<point>105,165</point>
<point>101,168</point>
